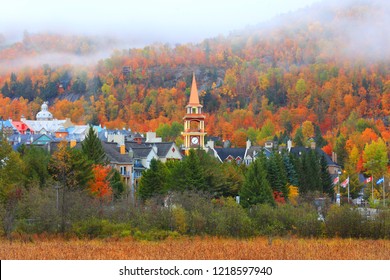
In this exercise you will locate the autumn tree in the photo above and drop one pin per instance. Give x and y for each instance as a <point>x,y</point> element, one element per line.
<point>72,172</point>
<point>375,158</point>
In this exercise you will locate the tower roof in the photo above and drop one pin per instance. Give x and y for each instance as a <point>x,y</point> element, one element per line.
<point>194,96</point>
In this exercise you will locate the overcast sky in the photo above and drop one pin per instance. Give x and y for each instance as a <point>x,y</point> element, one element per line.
<point>145,21</point>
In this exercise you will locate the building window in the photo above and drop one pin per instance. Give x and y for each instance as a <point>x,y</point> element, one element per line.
<point>123,170</point>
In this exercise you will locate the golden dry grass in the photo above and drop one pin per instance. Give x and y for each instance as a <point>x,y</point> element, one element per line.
<point>209,248</point>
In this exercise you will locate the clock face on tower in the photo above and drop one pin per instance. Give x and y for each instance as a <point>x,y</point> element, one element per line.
<point>195,140</point>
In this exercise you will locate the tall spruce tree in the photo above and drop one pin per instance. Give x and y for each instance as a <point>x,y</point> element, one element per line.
<point>277,176</point>
<point>256,188</point>
<point>92,148</point>
<point>153,181</point>
<point>292,175</point>
<point>326,179</point>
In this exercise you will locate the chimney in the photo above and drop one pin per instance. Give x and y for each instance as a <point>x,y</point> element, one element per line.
<point>154,147</point>
<point>150,136</point>
<point>131,153</point>
<point>248,144</point>
<point>122,149</point>
<point>289,145</point>
<point>210,144</point>
<point>73,143</point>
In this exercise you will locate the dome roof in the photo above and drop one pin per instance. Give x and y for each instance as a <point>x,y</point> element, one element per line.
<point>44,114</point>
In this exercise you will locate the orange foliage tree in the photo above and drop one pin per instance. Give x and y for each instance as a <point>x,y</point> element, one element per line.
<point>100,185</point>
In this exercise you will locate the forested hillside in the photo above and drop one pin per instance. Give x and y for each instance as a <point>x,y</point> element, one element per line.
<point>326,66</point>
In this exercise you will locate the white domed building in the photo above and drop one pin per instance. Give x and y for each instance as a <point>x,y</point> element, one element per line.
<point>45,123</point>
<point>44,114</point>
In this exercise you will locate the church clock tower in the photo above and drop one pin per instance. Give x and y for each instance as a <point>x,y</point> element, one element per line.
<point>194,131</point>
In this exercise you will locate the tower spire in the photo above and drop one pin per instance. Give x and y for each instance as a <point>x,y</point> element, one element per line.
<point>194,96</point>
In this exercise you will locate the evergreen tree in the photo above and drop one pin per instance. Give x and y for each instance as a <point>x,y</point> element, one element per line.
<point>342,154</point>
<point>320,141</point>
<point>282,178</point>
<point>299,138</point>
<point>292,175</point>
<point>153,181</point>
<point>36,162</point>
<point>309,172</point>
<point>116,183</point>
<point>256,188</point>
<point>194,173</point>
<point>92,148</point>
<point>326,179</point>
<point>5,90</point>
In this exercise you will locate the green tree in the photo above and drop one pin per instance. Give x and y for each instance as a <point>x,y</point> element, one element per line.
<point>190,173</point>
<point>326,179</point>
<point>36,162</point>
<point>309,172</point>
<point>299,138</point>
<point>116,183</point>
<point>292,175</point>
<point>340,149</point>
<point>320,141</point>
<point>11,179</point>
<point>92,148</point>
<point>153,181</point>
<point>256,188</point>
<point>276,174</point>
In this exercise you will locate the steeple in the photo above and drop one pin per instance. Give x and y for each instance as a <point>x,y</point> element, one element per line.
<point>194,96</point>
<point>194,128</point>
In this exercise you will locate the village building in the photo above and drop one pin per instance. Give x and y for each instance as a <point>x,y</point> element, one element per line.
<point>194,128</point>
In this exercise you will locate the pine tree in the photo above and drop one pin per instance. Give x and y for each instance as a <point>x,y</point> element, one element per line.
<point>92,148</point>
<point>326,179</point>
<point>116,183</point>
<point>256,188</point>
<point>298,138</point>
<point>320,141</point>
<point>292,175</point>
<point>276,174</point>
<point>194,173</point>
<point>153,181</point>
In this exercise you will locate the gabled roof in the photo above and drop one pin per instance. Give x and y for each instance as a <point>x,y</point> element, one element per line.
<point>224,153</point>
<point>142,152</point>
<point>6,123</point>
<point>163,148</point>
<point>42,137</point>
<point>299,150</point>
<point>113,153</point>
<point>253,151</point>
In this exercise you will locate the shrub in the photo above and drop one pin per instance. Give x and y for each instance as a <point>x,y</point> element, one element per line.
<point>97,228</point>
<point>342,221</point>
<point>179,220</point>
<point>230,219</point>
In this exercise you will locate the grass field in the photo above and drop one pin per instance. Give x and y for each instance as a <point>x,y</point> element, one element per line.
<point>208,248</point>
